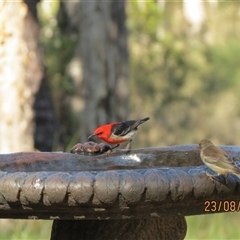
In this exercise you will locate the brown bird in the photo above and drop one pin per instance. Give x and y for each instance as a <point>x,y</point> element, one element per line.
<point>216,159</point>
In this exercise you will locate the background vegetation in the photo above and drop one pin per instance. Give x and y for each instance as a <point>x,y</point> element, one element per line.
<point>183,75</point>
<point>188,82</point>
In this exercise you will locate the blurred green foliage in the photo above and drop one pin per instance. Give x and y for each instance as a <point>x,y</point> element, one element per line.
<point>188,83</point>
<point>25,229</point>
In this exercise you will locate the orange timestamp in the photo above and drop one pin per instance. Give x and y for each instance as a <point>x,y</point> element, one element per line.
<point>221,206</point>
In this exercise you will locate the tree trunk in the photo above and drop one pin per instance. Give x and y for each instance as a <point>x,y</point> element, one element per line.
<point>98,69</point>
<point>20,73</point>
<point>27,116</point>
<point>105,61</point>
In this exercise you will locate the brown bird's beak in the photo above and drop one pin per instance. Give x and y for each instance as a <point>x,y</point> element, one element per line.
<point>91,136</point>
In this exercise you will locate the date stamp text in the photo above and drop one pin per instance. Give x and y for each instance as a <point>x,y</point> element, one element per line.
<point>221,206</point>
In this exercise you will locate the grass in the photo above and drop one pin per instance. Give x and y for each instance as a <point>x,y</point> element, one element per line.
<point>25,229</point>
<point>211,226</point>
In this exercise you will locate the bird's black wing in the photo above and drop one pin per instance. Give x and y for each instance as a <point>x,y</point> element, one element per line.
<point>121,129</point>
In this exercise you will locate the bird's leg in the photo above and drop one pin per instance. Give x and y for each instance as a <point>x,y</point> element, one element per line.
<point>212,177</point>
<point>215,177</point>
<point>209,175</point>
<point>128,145</point>
<point>110,150</point>
<point>117,145</point>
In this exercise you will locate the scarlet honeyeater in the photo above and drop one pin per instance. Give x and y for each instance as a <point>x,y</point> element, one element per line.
<point>118,132</point>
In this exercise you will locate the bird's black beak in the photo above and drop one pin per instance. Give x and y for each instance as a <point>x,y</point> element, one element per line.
<point>91,136</point>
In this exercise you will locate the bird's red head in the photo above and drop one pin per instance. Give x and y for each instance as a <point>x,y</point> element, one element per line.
<point>104,132</point>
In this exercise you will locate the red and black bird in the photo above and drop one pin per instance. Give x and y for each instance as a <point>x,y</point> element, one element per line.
<point>118,132</point>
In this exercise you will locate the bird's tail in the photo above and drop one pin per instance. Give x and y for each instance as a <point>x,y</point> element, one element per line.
<point>144,119</point>
<point>138,122</point>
